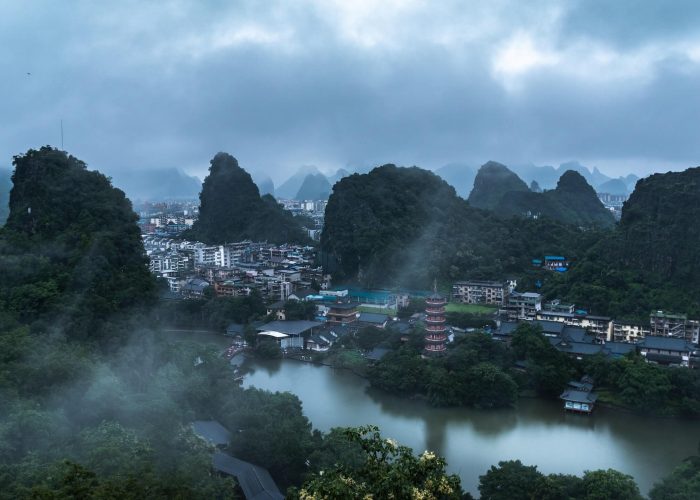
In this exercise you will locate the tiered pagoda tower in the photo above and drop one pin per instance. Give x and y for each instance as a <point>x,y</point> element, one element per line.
<point>435,336</point>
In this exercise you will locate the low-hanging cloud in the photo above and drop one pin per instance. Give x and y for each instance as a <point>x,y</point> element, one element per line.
<point>280,84</point>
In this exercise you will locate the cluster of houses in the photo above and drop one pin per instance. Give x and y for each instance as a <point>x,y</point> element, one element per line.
<point>167,218</point>
<point>336,318</point>
<point>667,338</point>
<point>277,272</point>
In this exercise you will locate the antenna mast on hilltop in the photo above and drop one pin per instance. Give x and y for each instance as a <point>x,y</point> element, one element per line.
<point>61,135</point>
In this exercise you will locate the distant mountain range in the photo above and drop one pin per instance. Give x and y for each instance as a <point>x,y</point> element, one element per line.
<point>264,183</point>
<point>314,187</point>
<point>573,201</point>
<point>309,183</point>
<point>157,184</point>
<point>492,183</point>
<point>461,176</point>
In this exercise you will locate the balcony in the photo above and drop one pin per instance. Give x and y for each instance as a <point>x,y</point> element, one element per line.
<point>435,320</point>
<point>436,338</point>
<point>435,348</point>
<point>435,310</point>
<point>435,328</point>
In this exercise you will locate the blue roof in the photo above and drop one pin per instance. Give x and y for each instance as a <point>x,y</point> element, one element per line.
<point>375,318</point>
<point>212,431</point>
<point>554,257</point>
<point>256,482</point>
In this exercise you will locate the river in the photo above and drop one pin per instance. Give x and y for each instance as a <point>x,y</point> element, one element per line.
<point>536,432</point>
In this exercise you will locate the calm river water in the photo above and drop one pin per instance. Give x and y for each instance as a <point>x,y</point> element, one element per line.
<point>537,432</point>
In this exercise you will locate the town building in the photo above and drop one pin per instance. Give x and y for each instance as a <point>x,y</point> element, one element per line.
<point>628,332</point>
<point>342,313</point>
<point>480,292</point>
<point>288,334</point>
<point>665,324</point>
<point>579,401</point>
<point>667,350</point>
<point>556,263</point>
<point>521,306</point>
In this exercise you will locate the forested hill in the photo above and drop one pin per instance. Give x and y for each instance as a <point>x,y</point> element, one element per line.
<point>573,202</point>
<point>231,209</point>
<point>492,182</point>
<point>71,251</point>
<point>651,261</point>
<point>659,230</point>
<point>5,186</point>
<point>406,226</point>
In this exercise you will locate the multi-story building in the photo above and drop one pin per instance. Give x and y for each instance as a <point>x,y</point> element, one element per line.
<point>342,313</point>
<point>598,325</point>
<point>664,324</point>
<point>523,305</point>
<point>628,332</point>
<point>480,292</point>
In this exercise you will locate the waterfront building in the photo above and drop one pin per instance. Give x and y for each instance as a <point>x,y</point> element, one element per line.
<point>342,313</point>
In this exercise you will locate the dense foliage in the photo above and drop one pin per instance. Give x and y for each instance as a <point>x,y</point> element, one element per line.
<point>650,262</point>
<point>5,186</point>
<point>493,182</point>
<point>386,470</point>
<point>231,209</point>
<point>549,370</point>
<point>473,373</point>
<point>511,480</point>
<point>573,201</point>
<point>71,252</point>
<point>681,484</point>
<point>405,226</point>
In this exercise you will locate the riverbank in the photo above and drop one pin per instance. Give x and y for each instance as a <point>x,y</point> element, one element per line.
<point>538,432</point>
<point>356,363</point>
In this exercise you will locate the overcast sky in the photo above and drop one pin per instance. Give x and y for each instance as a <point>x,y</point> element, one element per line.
<point>146,84</point>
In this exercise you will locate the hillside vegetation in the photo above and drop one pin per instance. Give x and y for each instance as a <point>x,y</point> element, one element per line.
<point>406,226</point>
<point>231,209</point>
<point>573,202</point>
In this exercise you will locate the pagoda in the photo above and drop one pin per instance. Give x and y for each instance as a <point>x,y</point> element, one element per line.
<point>435,336</point>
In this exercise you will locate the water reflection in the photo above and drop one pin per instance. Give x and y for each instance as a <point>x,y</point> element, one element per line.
<point>537,432</point>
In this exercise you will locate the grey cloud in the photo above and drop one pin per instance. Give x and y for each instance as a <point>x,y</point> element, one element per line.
<point>626,23</point>
<point>141,84</point>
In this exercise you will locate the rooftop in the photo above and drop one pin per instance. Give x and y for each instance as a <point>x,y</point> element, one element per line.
<point>256,482</point>
<point>579,396</point>
<point>212,431</point>
<point>296,327</point>
<point>666,343</point>
<point>374,318</point>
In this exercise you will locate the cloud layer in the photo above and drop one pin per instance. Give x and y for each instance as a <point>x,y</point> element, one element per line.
<point>278,84</point>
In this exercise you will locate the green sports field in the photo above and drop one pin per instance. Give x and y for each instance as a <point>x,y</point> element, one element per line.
<point>470,308</point>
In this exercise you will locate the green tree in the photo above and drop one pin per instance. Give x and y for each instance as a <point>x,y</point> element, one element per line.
<point>683,483</point>
<point>511,480</point>
<point>605,484</point>
<point>388,471</point>
<point>643,386</point>
<point>489,387</point>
